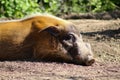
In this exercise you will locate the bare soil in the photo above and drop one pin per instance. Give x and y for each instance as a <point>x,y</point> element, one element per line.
<point>104,37</point>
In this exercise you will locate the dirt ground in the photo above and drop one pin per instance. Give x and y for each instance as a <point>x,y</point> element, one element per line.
<point>104,37</point>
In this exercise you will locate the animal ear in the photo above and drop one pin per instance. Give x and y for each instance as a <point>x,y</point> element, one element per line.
<point>53,30</point>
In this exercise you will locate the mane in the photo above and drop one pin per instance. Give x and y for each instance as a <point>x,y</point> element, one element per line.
<point>39,14</point>
<point>12,20</point>
<point>31,16</point>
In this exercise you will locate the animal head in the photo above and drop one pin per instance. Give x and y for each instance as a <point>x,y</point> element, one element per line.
<point>80,51</point>
<point>72,42</point>
<point>68,36</point>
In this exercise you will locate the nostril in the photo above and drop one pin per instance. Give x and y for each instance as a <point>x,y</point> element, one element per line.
<point>88,63</point>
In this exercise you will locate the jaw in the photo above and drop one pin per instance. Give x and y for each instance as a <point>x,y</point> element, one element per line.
<point>78,60</point>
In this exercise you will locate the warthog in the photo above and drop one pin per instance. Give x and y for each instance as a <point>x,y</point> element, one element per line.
<point>43,37</point>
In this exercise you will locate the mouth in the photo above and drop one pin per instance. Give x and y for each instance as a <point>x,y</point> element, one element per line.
<point>77,60</point>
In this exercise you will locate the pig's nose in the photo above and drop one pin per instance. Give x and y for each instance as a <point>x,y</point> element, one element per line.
<point>90,62</point>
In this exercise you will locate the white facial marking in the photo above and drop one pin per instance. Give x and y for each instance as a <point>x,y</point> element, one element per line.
<point>84,49</point>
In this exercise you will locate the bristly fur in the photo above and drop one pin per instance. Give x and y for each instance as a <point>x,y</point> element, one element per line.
<point>31,16</point>
<point>43,37</point>
<point>20,38</point>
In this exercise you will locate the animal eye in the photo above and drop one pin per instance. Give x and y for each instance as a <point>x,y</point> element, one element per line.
<point>70,37</point>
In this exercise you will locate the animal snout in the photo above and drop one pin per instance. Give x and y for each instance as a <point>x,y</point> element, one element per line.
<point>90,62</point>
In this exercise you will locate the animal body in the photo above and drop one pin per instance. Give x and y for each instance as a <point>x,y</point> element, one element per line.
<point>43,37</point>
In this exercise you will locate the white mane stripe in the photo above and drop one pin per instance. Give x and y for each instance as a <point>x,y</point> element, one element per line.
<point>31,16</point>
<point>4,21</point>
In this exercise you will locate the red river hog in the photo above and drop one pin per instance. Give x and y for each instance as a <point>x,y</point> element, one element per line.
<point>43,37</point>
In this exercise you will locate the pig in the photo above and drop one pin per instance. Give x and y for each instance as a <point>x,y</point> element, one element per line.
<point>45,38</point>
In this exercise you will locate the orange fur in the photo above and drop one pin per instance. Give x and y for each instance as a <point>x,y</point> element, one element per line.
<point>24,38</point>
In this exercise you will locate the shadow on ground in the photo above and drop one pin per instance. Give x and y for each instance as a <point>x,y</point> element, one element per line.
<point>106,33</point>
